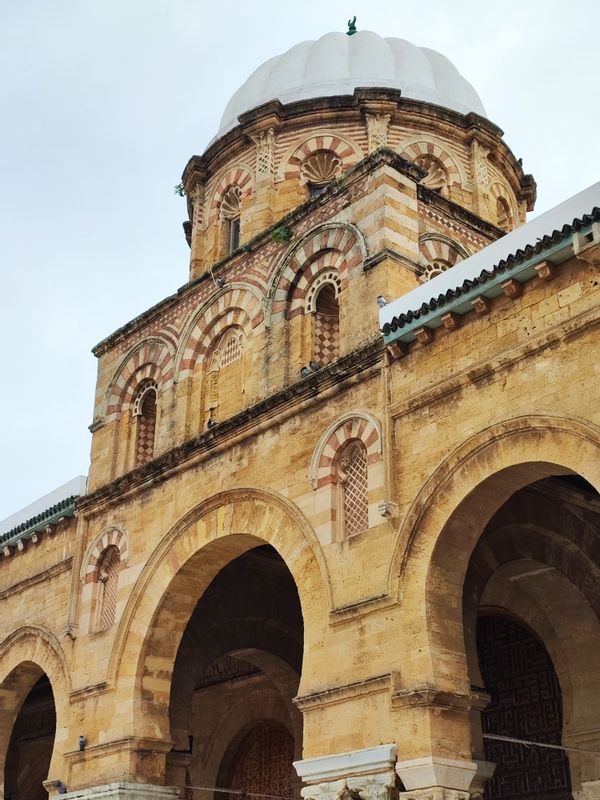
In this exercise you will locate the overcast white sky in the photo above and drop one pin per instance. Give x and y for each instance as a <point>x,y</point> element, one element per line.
<point>102,102</point>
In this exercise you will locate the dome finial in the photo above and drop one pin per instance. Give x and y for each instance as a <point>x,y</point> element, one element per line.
<point>351,27</point>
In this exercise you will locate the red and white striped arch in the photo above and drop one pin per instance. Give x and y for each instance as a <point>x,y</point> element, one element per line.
<point>412,149</point>
<point>151,359</point>
<point>239,175</point>
<point>113,536</point>
<point>237,307</point>
<point>356,425</point>
<point>333,246</point>
<point>439,248</point>
<point>348,152</point>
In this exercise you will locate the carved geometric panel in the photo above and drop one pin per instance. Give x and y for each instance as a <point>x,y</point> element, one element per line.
<point>263,763</point>
<point>526,704</point>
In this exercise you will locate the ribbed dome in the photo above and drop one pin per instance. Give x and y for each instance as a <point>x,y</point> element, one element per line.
<point>336,64</point>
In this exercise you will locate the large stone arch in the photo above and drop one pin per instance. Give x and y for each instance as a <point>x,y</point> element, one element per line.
<point>179,571</point>
<point>26,655</point>
<point>447,518</point>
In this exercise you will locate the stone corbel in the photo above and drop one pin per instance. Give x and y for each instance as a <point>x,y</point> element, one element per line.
<point>587,248</point>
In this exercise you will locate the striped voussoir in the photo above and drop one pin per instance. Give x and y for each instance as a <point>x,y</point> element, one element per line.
<point>332,247</point>
<point>112,537</point>
<point>239,175</point>
<point>150,360</point>
<point>347,151</point>
<point>236,308</point>
<point>356,428</point>
<point>498,191</point>
<point>414,150</point>
<point>434,250</point>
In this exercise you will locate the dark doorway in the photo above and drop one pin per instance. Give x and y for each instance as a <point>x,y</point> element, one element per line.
<point>525,704</point>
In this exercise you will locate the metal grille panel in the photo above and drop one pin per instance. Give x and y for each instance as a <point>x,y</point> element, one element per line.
<point>263,763</point>
<point>526,704</point>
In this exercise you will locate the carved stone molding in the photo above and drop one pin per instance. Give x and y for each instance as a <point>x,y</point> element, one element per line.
<point>377,130</point>
<point>120,791</point>
<point>435,778</point>
<point>265,153</point>
<point>366,763</point>
<point>590,790</point>
<point>362,773</point>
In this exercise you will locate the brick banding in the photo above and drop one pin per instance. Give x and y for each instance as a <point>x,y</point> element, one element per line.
<point>354,426</point>
<point>151,360</point>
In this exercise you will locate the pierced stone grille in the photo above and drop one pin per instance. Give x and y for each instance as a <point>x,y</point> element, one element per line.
<point>525,704</point>
<point>353,465</point>
<point>263,763</point>
<point>146,428</point>
<point>232,350</point>
<point>108,577</point>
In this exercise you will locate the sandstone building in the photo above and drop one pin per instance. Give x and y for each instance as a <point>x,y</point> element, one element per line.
<point>330,544</point>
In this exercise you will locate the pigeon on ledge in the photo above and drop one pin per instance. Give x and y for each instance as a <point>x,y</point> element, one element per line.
<point>381,301</point>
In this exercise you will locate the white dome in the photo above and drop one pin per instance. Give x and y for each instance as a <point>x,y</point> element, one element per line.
<point>336,64</point>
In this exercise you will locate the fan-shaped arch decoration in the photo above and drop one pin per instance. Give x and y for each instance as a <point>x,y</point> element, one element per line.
<point>237,177</point>
<point>237,306</point>
<point>502,207</point>
<point>336,246</point>
<point>435,159</point>
<point>320,168</point>
<point>147,385</point>
<point>439,254</point>
<point>152,359</point>
<point>437,174</point>
<point>230,204</point>
<point>342,148</point>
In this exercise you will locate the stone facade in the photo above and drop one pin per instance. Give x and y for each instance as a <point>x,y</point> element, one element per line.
<point>307,549</point>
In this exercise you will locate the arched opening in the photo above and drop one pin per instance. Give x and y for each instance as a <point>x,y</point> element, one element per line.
<point>352,478</point>
<point>237,670</point>
<point>326,327</point>
<point>530,621</point>
<point>525,704</point>
<point>144,411</point>
<point>31,745</point>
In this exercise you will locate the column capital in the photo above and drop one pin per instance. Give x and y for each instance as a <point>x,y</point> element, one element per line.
<point>421,776</point>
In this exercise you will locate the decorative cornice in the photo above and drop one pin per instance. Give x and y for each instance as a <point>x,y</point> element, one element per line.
<point>339,694</point>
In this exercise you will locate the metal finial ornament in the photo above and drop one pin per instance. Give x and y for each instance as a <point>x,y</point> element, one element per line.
<point>351,27</point>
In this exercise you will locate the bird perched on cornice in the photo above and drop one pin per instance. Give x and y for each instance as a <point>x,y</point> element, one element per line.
<point>381,301</point>
<point>305,372</point>
<point>314,366</point>
<point>211,423</point>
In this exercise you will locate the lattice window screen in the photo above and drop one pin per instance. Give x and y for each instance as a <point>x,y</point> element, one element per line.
<point>108,578</point>
<point>146,429</point>
<point>263,763</point>
<point>353,465</point>
<point>231,351</point>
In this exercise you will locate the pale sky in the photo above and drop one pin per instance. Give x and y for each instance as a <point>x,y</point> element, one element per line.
<point>102,102</point>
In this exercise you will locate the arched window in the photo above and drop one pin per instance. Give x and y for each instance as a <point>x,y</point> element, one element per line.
<point>144,412</point>
<point>230,218</point>
<point>225,377</point>
<point>107,578</point>
<point>326,325</point>
<point>353,482</point>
